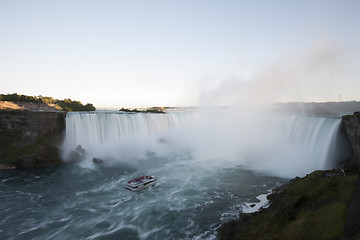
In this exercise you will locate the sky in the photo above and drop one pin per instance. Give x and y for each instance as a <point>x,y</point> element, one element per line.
<point>142,53</point>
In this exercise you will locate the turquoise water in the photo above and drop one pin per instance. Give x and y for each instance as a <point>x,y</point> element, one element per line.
<point>208,168</point>
<point>72,202</point>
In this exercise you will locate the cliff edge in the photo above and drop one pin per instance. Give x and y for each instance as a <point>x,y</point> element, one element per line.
<point>352,127</point>
<point>30,139</point>
<point>323,205</point>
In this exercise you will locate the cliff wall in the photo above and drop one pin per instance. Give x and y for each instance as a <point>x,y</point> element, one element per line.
<point>352,127</point>
<point>30,139</point>
<point>323,205</point>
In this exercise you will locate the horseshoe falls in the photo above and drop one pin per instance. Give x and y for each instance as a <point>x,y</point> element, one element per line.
<point>209,166</point>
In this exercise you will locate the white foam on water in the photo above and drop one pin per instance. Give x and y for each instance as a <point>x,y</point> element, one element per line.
<point>256,206</point>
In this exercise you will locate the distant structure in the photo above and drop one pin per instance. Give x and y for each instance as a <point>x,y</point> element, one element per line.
<point>340,98</point>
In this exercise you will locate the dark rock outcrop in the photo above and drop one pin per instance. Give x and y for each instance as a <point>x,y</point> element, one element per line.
<point>322,205</point>
<point>352,127</point>
<point>98,160</point>
<point>30,139</point>
<point>77,155</point>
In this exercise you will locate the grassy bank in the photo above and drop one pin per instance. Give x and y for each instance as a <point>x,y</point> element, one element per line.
<point>313,207</point>
<point>39,103</point>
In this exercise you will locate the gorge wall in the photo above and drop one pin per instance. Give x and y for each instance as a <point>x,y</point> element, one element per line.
<point>352,127</point>
<point>30,139</point>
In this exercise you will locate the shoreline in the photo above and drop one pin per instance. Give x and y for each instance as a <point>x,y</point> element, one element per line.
<point>253,207</point>
<point>324,204</point>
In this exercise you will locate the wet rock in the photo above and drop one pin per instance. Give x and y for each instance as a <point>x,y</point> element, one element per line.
<point>97,160</point>
<point>26,162</point>
<point>77,155</point>
<point>6,167</point>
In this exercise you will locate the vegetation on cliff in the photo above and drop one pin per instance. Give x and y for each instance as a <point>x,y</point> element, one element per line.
<point>323,205</point>
<point>314,207</point>
<point>66,104</point>
<point>149,110</point>
<point>348,117</point>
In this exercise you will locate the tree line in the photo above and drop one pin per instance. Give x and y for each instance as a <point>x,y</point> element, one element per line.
<point>66,104</point>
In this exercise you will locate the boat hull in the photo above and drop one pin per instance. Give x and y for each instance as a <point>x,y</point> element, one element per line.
<point>140,183</point>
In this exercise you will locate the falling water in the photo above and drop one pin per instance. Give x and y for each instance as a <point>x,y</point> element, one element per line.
<point>209,168</point>
<point>88,129</point>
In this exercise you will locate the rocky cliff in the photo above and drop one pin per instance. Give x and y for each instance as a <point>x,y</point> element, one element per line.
<point>352,127</point>
<point>324,205</point>
<point>30,139</point>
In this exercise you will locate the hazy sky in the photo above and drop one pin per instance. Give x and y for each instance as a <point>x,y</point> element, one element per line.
<point>186,52</point>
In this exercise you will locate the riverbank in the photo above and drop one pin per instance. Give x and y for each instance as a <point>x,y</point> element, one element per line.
<point>322,205</point>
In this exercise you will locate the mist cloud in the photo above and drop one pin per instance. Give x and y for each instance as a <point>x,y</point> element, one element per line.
<point>321,72</point>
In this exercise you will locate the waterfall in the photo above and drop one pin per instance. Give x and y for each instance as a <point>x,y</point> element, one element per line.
<point>320,136</point>
<point>88,129</point>
<point>284,145</point>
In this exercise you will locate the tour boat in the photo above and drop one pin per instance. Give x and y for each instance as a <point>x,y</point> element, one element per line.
<point>140,183</point>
